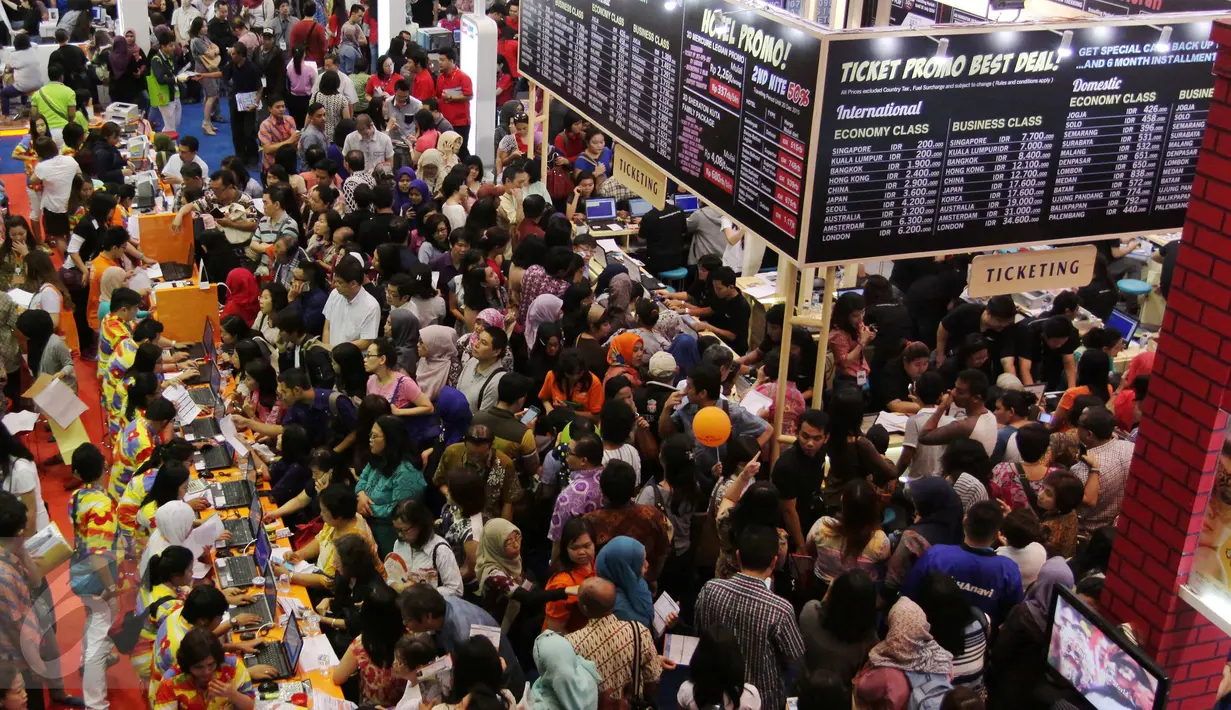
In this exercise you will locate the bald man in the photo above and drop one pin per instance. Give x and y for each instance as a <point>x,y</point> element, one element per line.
<point>377,147</point>
<point>608,642</point>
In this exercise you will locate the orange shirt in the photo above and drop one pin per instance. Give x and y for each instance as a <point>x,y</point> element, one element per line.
<point>590,400</point>
<point>567,610</point>
<point>100,264</point>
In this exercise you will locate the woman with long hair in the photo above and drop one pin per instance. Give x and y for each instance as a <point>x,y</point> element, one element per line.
<point>162,593</point>
<point>767,384</point>
<point>348,361</point>
<point>145,493</point>
<point>371,653</point>
<point>206,58</point>
<point>853,540</point>
<point>839,630</point>
<point>261,402</point>
<point>462,519</point>
<point>50,294</point>
<point>433,231</point>
<point>679,496</point>
<point>46,352</point>
<point>955,626</point>
<point>574,565</point>
<point>484,290</point>
<point>388,478</point>
<point>273,299</point>
<point>300,77</point>
<point>849,338</point>
<point>341,518</point>
<point>716,675</point>
<point>19,476</point>
<point>290,472</point>
<point>745,503</point>
<point>25,153</point>
<point>851,454</point>
<point>136,442</point>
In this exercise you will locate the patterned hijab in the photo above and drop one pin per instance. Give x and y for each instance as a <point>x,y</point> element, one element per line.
<point>622,348</point>
<point>491,557</point>
<point>669,324</point>
<point>909,646</point>
<point>491,318</point>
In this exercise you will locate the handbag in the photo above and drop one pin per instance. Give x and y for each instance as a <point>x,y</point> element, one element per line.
<point>631,697</point>
<point>129,632</point>
<point>71,276</point>
<point>160,94</point>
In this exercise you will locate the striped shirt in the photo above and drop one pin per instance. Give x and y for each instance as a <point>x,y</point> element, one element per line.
<point>274,131</point>
<point>762,622</point>
<point>970,490</point>
<point>1114,458</point>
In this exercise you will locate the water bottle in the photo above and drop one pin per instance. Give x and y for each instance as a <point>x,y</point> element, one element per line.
<point>284,583</point>
<point>245,467</point>
<point>313,623</point>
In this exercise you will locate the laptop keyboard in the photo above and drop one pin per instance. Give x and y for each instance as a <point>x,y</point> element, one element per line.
<point>270,655</point>
<point>260,607</point>
<point>216,457</point>
<point>204,397</point>
<point>172,271</point>
<point>203,428</point>
<point>204,373</point>
<point>235,493</point>
<point>240,571</point>
<point>240,529</point>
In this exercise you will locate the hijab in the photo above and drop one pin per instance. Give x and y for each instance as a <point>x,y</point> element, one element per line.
<point>621,350</point>
<point>112,279</point>
<point>491,557</point>
<point>119,56</point>
<point>684,350</point>
<point>427,204</point>
<point>939,509</point>
<point>669,324</point>
<point>173,523</point>
<point>243,296</point>
<point>404,329</point>
<point>620,292</point>
<point>491,318</point>
<point>432,372</point>
<point>401,200</point>
<point>620,563</point>
<point>540,362</point>
<point>429,158</point>
<point>566,681</point>
<point>449,144</point>
<point>545,309</point>
<point>909,645</point>
<point>1141,364</point>
<point>1054,571</point>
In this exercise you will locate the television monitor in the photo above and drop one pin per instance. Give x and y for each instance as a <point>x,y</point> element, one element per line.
<point>688,203</point>
<point>638,207</point>
<point>600,208</point>
<point>1120,321</point>
<point>1102,668</point>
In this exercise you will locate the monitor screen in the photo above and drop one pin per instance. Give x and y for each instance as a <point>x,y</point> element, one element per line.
<point>207,341</point>
<point>215,378</point>
<point>638,206</point>
<point>688,203</point>
<point>263,543</point>
<point>600,208</point>
<point>841,291</point>
<point>292,642</point>
<point>1107,671</point>
<point>271,588</point>
<point>1121,322</point>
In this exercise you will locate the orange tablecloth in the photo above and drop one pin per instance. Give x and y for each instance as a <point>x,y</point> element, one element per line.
<point>182,310</point>
<point>159,243</point>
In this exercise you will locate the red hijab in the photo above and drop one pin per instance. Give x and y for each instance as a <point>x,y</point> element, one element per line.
<point>243,296</point>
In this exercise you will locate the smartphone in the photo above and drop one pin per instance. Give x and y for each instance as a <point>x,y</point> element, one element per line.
<point>531,414</point>
<point>1045,418</point>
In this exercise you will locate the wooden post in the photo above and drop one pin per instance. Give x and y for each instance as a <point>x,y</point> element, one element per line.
<point>790,272</point>
<point>831,275</point>
<point>539,120</point>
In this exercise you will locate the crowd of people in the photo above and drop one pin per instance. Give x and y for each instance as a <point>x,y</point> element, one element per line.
<point>476,419</point>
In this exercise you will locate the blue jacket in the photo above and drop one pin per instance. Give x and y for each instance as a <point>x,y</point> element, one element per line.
<point>992,582</point>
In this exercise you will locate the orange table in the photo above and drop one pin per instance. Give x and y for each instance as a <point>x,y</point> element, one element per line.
<point>159,243</point>
<point>182,310</point>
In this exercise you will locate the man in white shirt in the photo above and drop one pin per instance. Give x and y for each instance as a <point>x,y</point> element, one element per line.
<point>348,86</point>
<point>921,459</point>
<point>55,174</point>
<point>185,153</point>
<point>352,315</point>
<point>481,374</point>
<point>377,147</point>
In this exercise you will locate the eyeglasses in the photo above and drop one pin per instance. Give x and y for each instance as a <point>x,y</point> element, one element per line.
<point>366,355</point>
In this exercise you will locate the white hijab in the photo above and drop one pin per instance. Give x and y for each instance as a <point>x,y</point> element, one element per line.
<point>174,523</point>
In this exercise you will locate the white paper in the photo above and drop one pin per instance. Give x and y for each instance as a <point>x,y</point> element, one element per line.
<point>608,245</point>
<point>278,554</point>
<point>172,376</point>
<point>664,607</point>
<point>154,272</point>
<point>679,648</point>
<point>42,542</point>
<point>435,279</point>
<point>231,435</point>
<point>140,281</point>
<point>491,633</point>
<point>436,667</point>
<point>761,290</point>
<point>185,409</point>
<point>61,403</point>
<point>324,701</point>
<point>291,605</point>
<point>134,232</point>
<point>754,401</point>
<point>21,298</point>
<point>313,648</point>
<point>18,422</point>
<point>263,450</point>
<point>893,423</point>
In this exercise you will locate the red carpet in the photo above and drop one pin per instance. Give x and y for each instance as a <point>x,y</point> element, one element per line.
<point>121,681</point>
<point>15,188</point>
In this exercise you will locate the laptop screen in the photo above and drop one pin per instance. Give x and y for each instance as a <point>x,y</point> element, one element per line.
<point>263,544</point>
<point>207,341</point>
<point>600,208</point>
<point>1120,322</point>
<point>292,642</point>
<point>688,203</point>
<point>638,207</point>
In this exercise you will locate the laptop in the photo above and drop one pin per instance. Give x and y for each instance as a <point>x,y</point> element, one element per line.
<point>214,456</point>
<point>233,494</point>
<point>283,656</point>
<point>688,203</point>
<point>197,351</point>
<point>205,427</point>
<point>1121,322</point>
<point>243,530</point>
<point>600,211</point>
<point>265,606</point>
<point>175,271</point>
<point>638,207</point>
<point>239,570</point>
<point>208,371</point>
<point>208,396</point>
<point>649,282</point>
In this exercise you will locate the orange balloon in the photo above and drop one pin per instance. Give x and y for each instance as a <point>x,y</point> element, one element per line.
<point>712,426</point>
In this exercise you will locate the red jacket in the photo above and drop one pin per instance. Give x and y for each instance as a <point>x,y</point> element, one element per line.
<point>311,34</point>
<point>455,112</point>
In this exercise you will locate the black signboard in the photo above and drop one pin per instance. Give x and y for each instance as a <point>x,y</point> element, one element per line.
<point>1149,7</point>
<point>915,13</point>
<point>1003,140</point>
<point>718,95</point>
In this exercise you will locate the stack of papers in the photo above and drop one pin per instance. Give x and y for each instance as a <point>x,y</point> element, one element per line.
<point>680,648</point>
<point>754,401</point>
<point>291,605</point>
<point>892,422</point>
<point>21,298</point>
<point>664,607</point>
<point>185,409</point>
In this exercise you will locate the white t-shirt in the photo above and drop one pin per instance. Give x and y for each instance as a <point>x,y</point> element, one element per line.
<point>357,319</point>
<point>27,69</point>
<point>750,700</point>
<point>985,431</point>
<point>1029,560</point>
<point>47,299</point>
<point>927,457</point>
<point>23,480</point>
<point>57,175</point>
<point>174,163</point>
<point>626,453</point>
<point>429,311</point>
<point>456,215</point>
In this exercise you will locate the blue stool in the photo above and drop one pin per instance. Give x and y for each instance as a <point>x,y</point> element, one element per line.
<point>674,278</point>
<point>1133,287</point>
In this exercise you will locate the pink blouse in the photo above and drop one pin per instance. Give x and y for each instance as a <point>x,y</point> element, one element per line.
<point>402,391</point>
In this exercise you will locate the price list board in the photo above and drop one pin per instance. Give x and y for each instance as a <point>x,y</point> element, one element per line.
<point>720,96</point>
<point>1004,139</point>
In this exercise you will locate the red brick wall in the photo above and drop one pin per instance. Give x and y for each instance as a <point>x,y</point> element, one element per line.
<point>1182,430</point>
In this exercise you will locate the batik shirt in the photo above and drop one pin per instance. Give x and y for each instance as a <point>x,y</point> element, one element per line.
<point>143,652</point>
<point>136,521</point>
<point>135,444</point>
<point>166,644</point>
<point>112,332</point>
<point>180,692</point>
